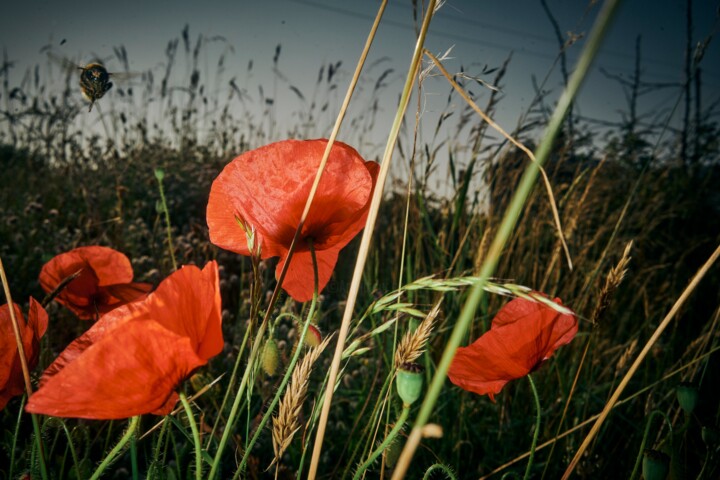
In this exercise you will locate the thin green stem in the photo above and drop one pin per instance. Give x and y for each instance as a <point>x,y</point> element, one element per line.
<point>386,443</point>
<point>638,460</point>
<point>160,174</point>
<point>538,414</point>
<point>251,321</point>
<point>289,370</point>
<point>134,458</point>
<point>15,436</point>
<point>195,434</point>
<point>505,229</point>
<point>115,452</point>
<point>158,448</point>
<point>71,446</point>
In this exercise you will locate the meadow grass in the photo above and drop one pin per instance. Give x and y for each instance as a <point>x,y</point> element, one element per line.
<point>639,219</point>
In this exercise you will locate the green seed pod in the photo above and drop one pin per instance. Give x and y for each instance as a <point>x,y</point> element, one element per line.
<point>687,395</point>
<point>409,382</point>
<point>656,465</point>
<point>270,357</point>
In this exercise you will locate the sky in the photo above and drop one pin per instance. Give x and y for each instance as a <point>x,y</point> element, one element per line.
<point>482,34</point>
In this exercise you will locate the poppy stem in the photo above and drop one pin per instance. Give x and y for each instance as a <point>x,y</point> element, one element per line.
<point>386,443</point>
<point>638,461</point>
<point>112,456</point>
<point>290,368</point>
<point>196,435</point>
<point>160,174</point>
<point>538,413</point>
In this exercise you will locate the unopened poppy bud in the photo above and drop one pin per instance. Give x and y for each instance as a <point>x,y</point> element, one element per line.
<point>270,357</point>
<point>656,465</point>
<point>409,382</point>
<point>313,337</point>
<point>687,395</point>
<point>159,174</point>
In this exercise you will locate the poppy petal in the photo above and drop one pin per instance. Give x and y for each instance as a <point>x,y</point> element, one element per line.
<point>125,374</point>
<point>132,359</point>
<point>522,336</point>
<point>12,382</point>
<point>102,271</point>
<point>267,189</point>
<point>299,279</point>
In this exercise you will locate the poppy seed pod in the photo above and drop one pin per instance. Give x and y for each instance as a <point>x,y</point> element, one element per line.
<point>656,465</point>
<point>687,396</point>
<point>270,357</point>
<point>409,382</point>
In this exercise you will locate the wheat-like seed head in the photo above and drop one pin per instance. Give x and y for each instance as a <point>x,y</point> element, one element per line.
<point>285,423</point>
<point>613,280</point>
<point>413,343</point>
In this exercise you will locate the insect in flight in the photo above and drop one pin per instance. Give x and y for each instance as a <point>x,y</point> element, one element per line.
<point>94,78</point>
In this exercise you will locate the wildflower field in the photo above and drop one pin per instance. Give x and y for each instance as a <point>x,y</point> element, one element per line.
<point>220,295</point>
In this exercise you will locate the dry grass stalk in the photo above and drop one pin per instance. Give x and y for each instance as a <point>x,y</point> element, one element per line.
<point>613,280</point>
<point>286,423</point>
<point>413,343</point>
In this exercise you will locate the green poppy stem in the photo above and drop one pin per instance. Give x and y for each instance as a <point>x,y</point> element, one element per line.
<point>115,452</point>
<point>386,443</point>
<point>71,446</point>
<point>195,434</point>
<point>638,460</point>
<point>538,414</point>
<point>134,458</point>
<point>439,466</point>
<point>290,368</point>
<point>160,174</point>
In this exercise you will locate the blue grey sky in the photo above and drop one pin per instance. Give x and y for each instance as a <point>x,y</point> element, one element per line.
<point>313,32</point>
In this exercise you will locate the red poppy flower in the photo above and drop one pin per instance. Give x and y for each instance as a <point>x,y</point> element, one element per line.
<point>132,359</point>
<point>266,190</point>
<point>104,283</point>
<point>522,336</point>
<point>11,376</point>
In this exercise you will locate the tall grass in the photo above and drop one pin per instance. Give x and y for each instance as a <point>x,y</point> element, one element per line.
<point>65,183</point>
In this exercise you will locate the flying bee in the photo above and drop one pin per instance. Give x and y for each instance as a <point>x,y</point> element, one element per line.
<point>94,78</point>
<point>94,82</point>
